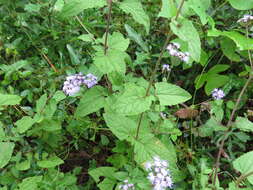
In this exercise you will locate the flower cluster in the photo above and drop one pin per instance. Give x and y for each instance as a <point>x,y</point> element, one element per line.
<point>159,174</point>
<point>173,49</point>
<point>73,83</point>
<point>126,186</point>
<point>218,94</point>
<point>166,67</point>
<point>245,19</point>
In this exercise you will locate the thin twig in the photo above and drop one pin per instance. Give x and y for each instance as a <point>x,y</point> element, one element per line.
<point>84,27</point>
<point>108,25</point>
<point>242,177</point>
<point>229,124</point>
<point>152,77</point>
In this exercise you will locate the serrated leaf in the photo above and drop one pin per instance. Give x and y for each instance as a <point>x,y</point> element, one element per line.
<point>134,7</point>
<point>168,9</point>
<point>188,33</point>
<point>136,37</point>
<point>133,101</point>
<point>30,183</point>
<point>242,4</point>
<point>50,162</point>
<point>243,124</point>
<point>6,150</point>
<point>92,101</point>
<point>24,124</point>
<point>8,99</point>
<point>74,7</point>
<point>169,94</point>
<point>244,164</point>
<point>113,61</point>
<point>118,42</point>
<point>102,171</point>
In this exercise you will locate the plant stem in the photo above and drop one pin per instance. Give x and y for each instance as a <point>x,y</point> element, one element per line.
<point>242,177</point>
<point>108,25</point>
<point>229,124</point>
<point>80,22</point>
<point>152,77</point>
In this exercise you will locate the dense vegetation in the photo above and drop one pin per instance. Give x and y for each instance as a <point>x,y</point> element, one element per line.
<point>126,94</point>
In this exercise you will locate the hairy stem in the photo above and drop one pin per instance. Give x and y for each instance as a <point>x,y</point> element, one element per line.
<point>229,124</point>
<point>152,77</point>
<point>242,177</point>
<point>108,25</point>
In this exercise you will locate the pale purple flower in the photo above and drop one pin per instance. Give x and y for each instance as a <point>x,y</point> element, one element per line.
<point>218,94</point>
<point>159,174</point>
<point>90,80</point>
<point>173,49</point>
<point>166,67</point>
<point>126,186</point>
<point>245,19</point>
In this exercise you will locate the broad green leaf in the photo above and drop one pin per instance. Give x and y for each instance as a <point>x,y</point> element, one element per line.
<point>133,101</point>
<point>50,162</point>
<point>50,109</point>
<point>242,4</point>
<point>136,37</point>
<point>6,150</point>
<point>200,80</point>
<point>41,103</point>
<point>215,81</point>
<point>244,164</point>
<point>113,61</point>
<point>228,47</point>
<point>8,69</point>
<point>168,9</point>
<point>32,7</point>
<point>102,172</point>
<point>74,7</point>
<point>30,183</point>
<point>107,184</point>
<point>169,94</point>
<point>58,6</point>
<point>188,33</point>
<point>50,125</point>
<point>25,165</point>
<point>2,133</point>
<point>218,69</point>
<point>8,99</point>
<point>59,96</point>
<point>121,126</point>
<point>24,124</point>
<point>241,41</point>
<point>86,37</point>
<point>92,101</point>
<point>118,42</point>
<point>134,7</point>
<point>243,124</point>
<point>200,7</point>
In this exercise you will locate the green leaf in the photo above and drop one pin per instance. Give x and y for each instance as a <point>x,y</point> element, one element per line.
<point>58,6</point>
<point>218,69</point>
<point>121,126</point>
<point>6,151</point>
<point>132,101</point>
<point>24,124</point>
<point>92,101</point>
<point>168,9</point>
<point>30,183</point>
<point>32,7</point>
<point>242,4</point>
<point>8,69</point>
<point>200,7</point>
<point>113,61</point>
<point>74,7</point>
<point>22,166</point>
<point>215,81</point>
<point>243,124</point>
<point>73,56</point>
<point>136,37</point>
<point>50,125</point>
<point>106,184</point>
<point>134,7</point>
<point>118,42</point>
<point>228,47</point>
<point>41,103</point>
<point>59,96</point>
<point>187,32</point>
<point>50,162</point>
<point>244,164</point>
<point>169,94</point>
<point>7,99</point>
<point>241,41</point>
<point>102,171</point>
<point>86,37</point>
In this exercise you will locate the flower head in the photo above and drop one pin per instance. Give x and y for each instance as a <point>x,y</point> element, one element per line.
<point>218,94</point>
<point>173,49</point>
<point>245,19</point>
<point>166,67</point>
<point>90,80</point>
<point>126,186</point>
<point>159,174</point>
